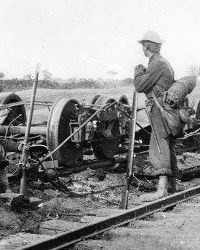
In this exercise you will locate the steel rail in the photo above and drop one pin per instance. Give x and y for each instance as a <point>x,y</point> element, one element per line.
<point>93,164</point>
<point>64,240</point>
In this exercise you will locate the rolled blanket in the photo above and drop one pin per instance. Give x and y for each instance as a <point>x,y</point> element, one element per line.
<point>177,93</point>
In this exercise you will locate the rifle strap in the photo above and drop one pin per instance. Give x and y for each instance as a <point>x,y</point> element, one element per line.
<point>157,102</point>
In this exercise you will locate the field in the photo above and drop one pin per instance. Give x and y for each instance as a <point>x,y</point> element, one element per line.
<point>81,95</point>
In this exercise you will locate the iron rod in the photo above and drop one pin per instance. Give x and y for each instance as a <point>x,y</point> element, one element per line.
<point>23,160</point>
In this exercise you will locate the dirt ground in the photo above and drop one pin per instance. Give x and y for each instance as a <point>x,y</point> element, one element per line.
<point>86,194</point>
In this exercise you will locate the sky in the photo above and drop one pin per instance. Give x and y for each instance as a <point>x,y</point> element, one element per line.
<point>95,38</point>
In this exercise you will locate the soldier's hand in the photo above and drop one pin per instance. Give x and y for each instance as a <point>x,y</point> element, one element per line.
<point>140,69</point>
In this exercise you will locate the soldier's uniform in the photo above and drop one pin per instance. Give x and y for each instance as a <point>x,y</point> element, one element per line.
<point>158,77</point>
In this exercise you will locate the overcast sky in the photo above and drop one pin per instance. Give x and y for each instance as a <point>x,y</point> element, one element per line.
<point>95,38</point>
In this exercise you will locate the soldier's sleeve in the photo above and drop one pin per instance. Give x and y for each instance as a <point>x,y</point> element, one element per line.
<point>145,81</point>
<point>9,145</point>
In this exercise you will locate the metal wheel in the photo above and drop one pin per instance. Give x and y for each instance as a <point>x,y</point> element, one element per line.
<point>92,99</point>
<point>58,129</point>
<point>198,111</point>
<point>15,115</point>
<point>106,147</point>
<point>102,100</point>
<point>123,100</point>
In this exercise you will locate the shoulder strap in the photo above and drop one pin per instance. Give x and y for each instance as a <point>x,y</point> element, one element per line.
<point>160,89</point>
<point>157,102</point>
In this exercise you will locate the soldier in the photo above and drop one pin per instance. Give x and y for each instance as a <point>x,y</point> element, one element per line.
<point>157,78</point>
<point>6,146</point>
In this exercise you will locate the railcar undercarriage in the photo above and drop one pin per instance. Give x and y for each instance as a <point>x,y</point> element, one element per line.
<point>95,133</point>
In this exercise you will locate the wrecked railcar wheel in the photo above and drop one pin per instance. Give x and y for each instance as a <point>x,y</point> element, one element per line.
<point>92,99</point>
<point>106,139</point>
<point>123,100</point>
<point>62,113</point>
<point>15,115</point>
<point>198,111</point>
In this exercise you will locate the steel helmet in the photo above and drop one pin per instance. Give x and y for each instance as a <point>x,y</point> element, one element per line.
<point>151,36</point>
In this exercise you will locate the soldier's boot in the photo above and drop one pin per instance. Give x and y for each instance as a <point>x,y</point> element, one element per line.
<point>4,186</point>
<point>172,185</point>
<point>161,190</point>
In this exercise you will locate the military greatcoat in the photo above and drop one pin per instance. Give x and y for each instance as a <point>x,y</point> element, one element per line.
<point>158,77</point>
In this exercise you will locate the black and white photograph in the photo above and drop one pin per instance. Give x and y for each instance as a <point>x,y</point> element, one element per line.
<point>99,124</point>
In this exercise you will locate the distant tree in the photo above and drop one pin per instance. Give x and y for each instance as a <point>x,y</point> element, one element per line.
<point>128,81</point>
<point>27,77</point>
<point>2,75</point>
<point>198,71</point>
<point>194,70</point>
<point>112,72</point>
<point>47,75</point>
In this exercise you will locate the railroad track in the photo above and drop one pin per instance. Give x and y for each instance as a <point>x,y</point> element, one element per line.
<point>73,239</point>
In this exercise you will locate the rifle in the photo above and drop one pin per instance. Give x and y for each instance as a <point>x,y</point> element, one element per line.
<point>24,156</point>
<point>129,173</point>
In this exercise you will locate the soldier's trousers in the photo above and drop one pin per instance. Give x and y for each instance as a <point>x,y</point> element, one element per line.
<point>163,162</point>
<point>161,152</point>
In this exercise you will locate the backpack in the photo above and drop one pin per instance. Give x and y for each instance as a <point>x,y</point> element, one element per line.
<point>171,117</point>
<point>176,94</point>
